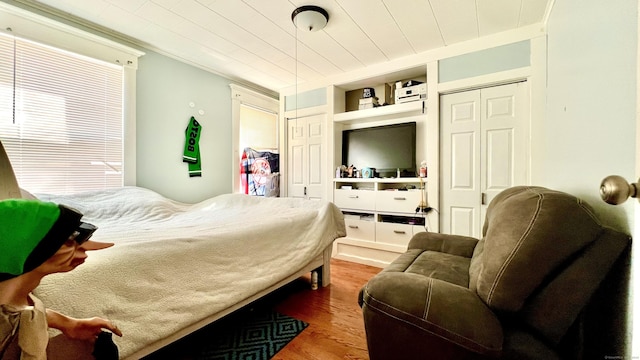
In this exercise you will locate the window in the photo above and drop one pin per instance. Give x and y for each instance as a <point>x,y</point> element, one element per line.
<point>258,128</point>
<point>61,118</point>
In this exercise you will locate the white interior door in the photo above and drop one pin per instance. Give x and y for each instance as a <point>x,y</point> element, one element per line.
<point>460,179</point>
<point>306,157</point>
<point>484,151</point>
<point>505,123</point>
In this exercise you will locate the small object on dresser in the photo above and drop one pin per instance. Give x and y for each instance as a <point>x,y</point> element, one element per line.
<point>351,170</point>
<point>367,172</point>
<point>423,169</point>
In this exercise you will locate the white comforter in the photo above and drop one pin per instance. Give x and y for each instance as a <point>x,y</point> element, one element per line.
<point>174,264</point>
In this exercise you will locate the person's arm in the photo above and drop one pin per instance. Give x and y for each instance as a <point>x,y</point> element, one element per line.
<point>82,329</point>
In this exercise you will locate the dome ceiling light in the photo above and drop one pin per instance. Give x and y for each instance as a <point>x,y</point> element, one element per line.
<point>310,18</point>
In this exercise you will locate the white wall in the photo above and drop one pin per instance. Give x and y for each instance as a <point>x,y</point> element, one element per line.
<point>590,124</point>
<point>165,89</point>
<point>591,100</point>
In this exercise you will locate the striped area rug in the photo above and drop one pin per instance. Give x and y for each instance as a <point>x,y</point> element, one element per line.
<point>248,334</point>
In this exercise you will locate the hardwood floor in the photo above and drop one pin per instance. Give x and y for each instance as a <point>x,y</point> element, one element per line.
<point>336,328</point>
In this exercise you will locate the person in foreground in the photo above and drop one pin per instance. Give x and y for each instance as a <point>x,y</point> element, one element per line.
<point>37,239</point>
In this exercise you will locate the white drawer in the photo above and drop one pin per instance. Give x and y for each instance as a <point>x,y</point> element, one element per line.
<point>361,229</point>
<point>355,199</point>
<point>397,201</point>
<point>392,233</point>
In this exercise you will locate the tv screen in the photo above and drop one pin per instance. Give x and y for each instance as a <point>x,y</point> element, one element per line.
<point>385,148</point>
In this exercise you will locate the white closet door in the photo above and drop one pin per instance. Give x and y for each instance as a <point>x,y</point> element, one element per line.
<point>484,151</point>
<point>504,155</point>
<point>460,159</point>
<point>306,157</point>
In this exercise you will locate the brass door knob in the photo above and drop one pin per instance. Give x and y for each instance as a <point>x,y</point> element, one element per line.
<point>615,190</point>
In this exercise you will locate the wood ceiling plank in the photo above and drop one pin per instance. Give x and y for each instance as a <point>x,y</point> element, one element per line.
<point>457,19</point>
<point>498,15</point>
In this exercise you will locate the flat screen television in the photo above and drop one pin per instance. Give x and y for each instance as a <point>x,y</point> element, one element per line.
<point>384,148</point>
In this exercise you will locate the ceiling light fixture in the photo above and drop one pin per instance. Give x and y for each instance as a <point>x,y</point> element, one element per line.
<point>310,18</point>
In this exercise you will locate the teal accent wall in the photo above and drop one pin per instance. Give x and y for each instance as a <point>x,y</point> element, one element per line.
<point>306,99</point>
<point>488,61</point>
<point>165,90</point>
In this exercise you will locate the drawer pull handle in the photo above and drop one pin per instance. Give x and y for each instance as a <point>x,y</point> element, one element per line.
<point>353,226</point>
<point>399,232</point>
<point>353,196</point>
<point>399,198</point>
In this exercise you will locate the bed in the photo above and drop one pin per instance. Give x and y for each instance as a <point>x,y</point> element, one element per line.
<point>177,267</point>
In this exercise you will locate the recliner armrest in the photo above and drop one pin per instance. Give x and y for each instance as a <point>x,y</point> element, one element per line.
<point>434,314</point>
<point>451,244</point>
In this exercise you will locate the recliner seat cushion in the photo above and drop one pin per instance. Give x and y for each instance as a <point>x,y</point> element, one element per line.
<point>446,267</point>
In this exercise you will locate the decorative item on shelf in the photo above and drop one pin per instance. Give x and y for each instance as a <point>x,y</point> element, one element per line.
<point>423,169</point>
<point>343,171</point>
<point>350,171</point>
<point>367,172</point>
<point>422,206</point>
<point>369,99</point>
<point>368,93</point>
<point>368,103</point>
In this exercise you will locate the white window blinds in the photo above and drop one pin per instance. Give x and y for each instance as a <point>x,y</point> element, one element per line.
<point>61,118</point>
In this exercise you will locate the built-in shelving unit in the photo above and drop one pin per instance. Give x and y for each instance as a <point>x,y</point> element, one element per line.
<point>381,216</point>
<point>380,213</point>
<point>381,113</point>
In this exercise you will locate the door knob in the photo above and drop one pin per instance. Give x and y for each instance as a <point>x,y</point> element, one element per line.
<point>615,189</point>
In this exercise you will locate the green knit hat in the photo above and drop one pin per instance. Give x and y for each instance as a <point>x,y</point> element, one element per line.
<point>31,231</point>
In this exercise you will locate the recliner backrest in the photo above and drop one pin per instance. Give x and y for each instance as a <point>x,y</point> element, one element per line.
<point>529,234</point>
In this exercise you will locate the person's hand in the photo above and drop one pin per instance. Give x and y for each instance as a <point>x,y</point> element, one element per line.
<point>81,329</point>
<point>88,329</point>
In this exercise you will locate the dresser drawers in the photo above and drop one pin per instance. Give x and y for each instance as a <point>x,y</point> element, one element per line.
<point>360,229</point>
<point>397,201</point>
<point>355,199</point>
<point>380,217</point>
<point>397,234</point>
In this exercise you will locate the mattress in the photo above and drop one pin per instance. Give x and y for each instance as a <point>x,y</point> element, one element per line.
<point>174,264</point>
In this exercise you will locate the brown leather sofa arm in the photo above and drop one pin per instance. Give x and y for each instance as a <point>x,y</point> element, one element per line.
<point>410,316</point>
<point>451,244</point>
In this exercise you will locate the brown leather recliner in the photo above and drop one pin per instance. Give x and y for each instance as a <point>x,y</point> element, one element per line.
<point>519,293</point>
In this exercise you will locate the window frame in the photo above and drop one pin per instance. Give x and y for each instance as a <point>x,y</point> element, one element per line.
<point>52,30</point>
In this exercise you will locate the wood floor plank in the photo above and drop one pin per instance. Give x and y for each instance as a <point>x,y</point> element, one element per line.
<point>336,328</point>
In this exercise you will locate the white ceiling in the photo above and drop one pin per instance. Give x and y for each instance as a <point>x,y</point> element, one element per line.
<point>255,40</point>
